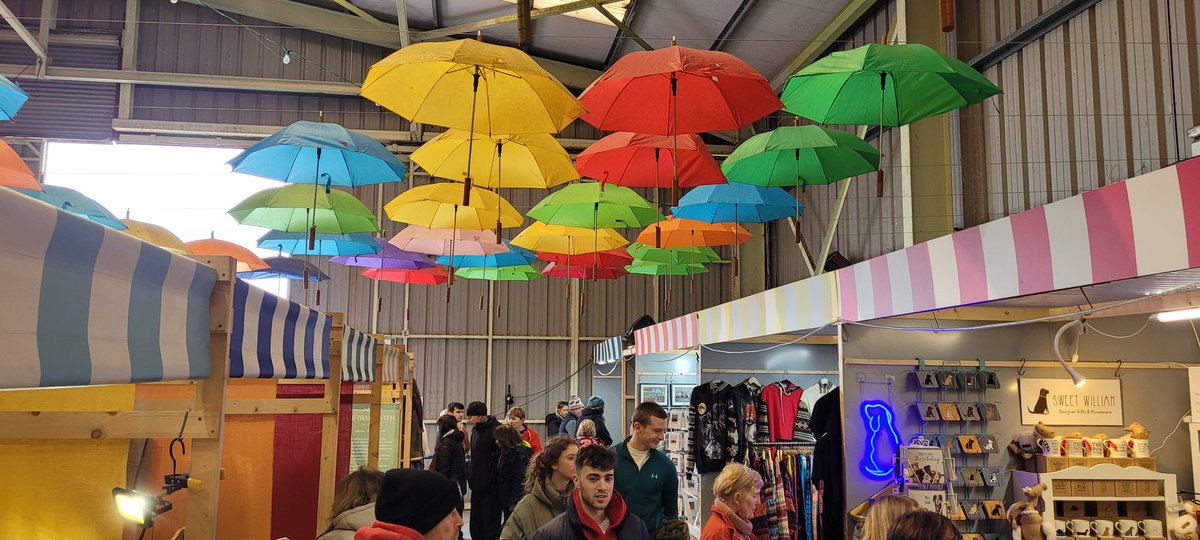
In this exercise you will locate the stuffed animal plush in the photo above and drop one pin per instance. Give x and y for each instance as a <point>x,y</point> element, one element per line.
<point>1184,527</point>
<point>1138,431</point>
<point>1029,443</point>
<point>1026,521</point>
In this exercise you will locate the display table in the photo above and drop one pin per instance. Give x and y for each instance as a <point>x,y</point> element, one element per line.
<point>1108,491</point>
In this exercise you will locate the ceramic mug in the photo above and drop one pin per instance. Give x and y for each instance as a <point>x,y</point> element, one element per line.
<point>1079,527</point>
<point>1056,447</point>
<point>1102,527</point>
<point>1072,447</point>
<point>1116,448</point>
<point>1127,527</point>
<point>1060,527</point>
<point>1151,527</point>
<point>1139,447</point>
<point>1093,447</point>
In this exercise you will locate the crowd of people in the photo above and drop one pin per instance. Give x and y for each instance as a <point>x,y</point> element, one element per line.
<point>578,486</point>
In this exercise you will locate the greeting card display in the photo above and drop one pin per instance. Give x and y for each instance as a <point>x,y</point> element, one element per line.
<point>931,500</point>
<point>923,464</point>
<point>949,412</point>
<point>969,444</point>
<point>928,379</point>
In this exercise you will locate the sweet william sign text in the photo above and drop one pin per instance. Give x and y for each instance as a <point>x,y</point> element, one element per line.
<point>1057,402</point>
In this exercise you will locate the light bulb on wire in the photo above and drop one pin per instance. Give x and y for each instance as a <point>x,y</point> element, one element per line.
<point>287,56</point>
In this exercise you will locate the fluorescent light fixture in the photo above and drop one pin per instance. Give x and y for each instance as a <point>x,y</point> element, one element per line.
<point>590,14</point>
<point>1180,315</point>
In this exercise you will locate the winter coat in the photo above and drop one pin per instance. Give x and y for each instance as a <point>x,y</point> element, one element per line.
<point>387,531</point>
<point>536,509</point>
<point>553,424</point>
<point>576,525</point>
<point>481,473</point>
<point>510,475</point>
<point>596,415</point>
<point>450,460</point>
<point>720,527</point>
<point>346,523</point>
<point>570,424</point>
<point>531,438</point>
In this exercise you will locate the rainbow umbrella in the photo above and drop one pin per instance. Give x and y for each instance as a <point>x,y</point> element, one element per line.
<point>642,160</point>
<point>437,206</point>
<point>688,255</point>
<point>290,209</point>
<point>516,256</point>
<point>321,154</point>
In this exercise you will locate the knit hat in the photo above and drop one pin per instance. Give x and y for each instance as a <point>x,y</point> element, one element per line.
<point>477,408</point>
<point>574,403</point>
<point>595,402</point>
<point>416,499</point>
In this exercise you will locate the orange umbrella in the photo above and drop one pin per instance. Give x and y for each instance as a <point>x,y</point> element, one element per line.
<point>14,172</point>
<point>247,261</point>
<point>690,233</point>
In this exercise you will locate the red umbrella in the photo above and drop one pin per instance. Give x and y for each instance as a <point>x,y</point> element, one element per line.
<point>640,160</point>
<point>617,258</point>
<point>425,276</point>
<point>584,272</point>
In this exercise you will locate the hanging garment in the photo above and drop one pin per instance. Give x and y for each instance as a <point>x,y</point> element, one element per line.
<point>828,466</point>
<point>816,391</point>
<point>787,418</point>
<point>708,430</point>
<point>745,409</point>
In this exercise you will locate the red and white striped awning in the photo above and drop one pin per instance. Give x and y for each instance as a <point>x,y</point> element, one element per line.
<point>679,333</point>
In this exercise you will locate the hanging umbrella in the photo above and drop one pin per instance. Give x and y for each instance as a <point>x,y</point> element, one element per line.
<point>418,239</point>
<point>523,272</point>
<point>641,160</point>
<point>327,244</point>
<point>437,206</point>
<point>319,153</point>
<point>473,86</point>
<point>659,269</point>
<point>14,173</point>
<point>800,156</point>
<point>736,203</point>
<point>584,272</point>
<point>516,256</point>
<point>76,203</point>
<point>247,261</point>
<point>425,276</point>
<point>388,258</point>
<point>290,209</point>
<point>498,161</point>
<point>690,233</point>
<point>541,237</point>
<point>12,98</point>
<point>288,268</point>
<point>594,206</point>
<point>688,255</point>
<point>612,258</point>
<point>154,234</point>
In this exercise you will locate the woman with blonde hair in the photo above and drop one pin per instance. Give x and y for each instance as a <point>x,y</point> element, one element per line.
<point>585,436</point>
<point>737,490</point>
<point>353,504</point>
<point>883,513</point>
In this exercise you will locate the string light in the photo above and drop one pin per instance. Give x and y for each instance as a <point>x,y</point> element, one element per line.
<point>287,56</point>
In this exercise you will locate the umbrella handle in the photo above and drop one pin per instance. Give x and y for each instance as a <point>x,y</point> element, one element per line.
<point>379,306</point>
<point>318,296</point>
<point>306,278</point>
<point>582,301</point>
<point>448,293</point>
<point>481,302</point>
<point>879,183</point>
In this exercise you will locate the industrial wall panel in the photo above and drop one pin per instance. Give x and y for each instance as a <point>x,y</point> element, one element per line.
<point>450,370</point>
<point>59,109</point>
<point>538,372</point>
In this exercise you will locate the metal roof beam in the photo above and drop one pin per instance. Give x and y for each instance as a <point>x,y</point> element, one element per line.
<point>1043,24</point>
<point>732,25</point>
<point>189,80</point>
<point>26,36</point>
<point>467,28</point>
<point>620,24</point>
<point>842,21</point>
<point>363,14</point>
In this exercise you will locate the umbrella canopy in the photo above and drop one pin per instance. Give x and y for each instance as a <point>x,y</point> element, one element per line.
<point>650,254</point>
<point>75,203</point>
<point>515,256</point>
<point>425,276</point>
<point>800,156</point>
<point>737,203</point>
<point>509,161</point>
<point>438,206</point>
<point>523,272</point>
<point>471,85</point>
<point>14,173</point>
<point>711,90</point>
<point>690,233</point>
<point>879,84</point>
<point>290,209</point>
<point>154,234</point>
<point>388,258</point>
<point>657,269</point>
<point>325,244</point>
<point>584,272</point>
<point>541,237</point>
<point>613,258</point>
<point>319,153</point>
<point>12,98</point>
<point>247,261</point>
<point>418,239</point>
<point>641,160</point>
<point>595,206</point>
<point>288,268</point>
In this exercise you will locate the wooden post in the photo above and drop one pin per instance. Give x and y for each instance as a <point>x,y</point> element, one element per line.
<point>376,400</point>
<point>404,452</point>
<point>329,423</point>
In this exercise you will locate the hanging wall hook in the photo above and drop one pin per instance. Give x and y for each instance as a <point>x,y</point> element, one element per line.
<point>1120,362</point>
<point>1021,372</point>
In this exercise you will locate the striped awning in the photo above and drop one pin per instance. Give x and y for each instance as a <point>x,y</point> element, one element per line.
<point>391,364</point>
<point>358,356</point>
<point>800,305</point>
<point>607,351</point>
<point>678,333</point>
<point>272,338</point>
<point>87,305</point>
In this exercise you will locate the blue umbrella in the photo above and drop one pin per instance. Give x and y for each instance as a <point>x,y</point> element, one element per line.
<point>286,267</point>
<point>318,153</point>
<point>389,258</point>
<point>12,98</point>
<point>327,244</point>
<point>76,203</point>
<point>515,256</point>
<point>743,203</point>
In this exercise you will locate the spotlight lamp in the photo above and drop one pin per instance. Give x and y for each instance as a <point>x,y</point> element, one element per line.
<point>137,507</point>
<point>1073,329</point>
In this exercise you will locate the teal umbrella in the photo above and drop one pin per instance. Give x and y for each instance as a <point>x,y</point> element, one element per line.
<point>76,203</point>
<point>328,245</point>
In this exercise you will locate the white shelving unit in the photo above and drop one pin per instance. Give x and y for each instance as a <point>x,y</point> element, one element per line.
<point>1159,504</point>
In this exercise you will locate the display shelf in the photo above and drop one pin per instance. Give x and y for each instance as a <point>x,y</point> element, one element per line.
<point>1118,499</point>
<point>1161,503</point>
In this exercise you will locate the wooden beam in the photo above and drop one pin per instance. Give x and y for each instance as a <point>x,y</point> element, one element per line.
<point>26,35</point>
<point>620,24</point>
<point>278,406</point>
<point>841,21</point>
<point>375,401</point>
<point>329,424</point>
<point>467,28</point>
<point>402,23</point>
<point>105,425</point>
<point>362,14</point>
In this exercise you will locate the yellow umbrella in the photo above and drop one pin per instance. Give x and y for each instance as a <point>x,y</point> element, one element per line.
<point>526,161</point>
<point>436,206</point>
<point>541,237</point>
<point>155,234</point>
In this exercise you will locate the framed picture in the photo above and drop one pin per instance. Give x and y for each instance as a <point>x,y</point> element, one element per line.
<point>656,393</point>
<point>677,419</point>
<point>681,395</point>
<point>674,441</point>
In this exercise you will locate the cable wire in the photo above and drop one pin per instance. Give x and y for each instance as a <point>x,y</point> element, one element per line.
<point>1139,330</point>
<point>1177,426</point>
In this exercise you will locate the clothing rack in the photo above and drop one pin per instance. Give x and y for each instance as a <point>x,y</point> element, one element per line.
<point>771,371</point>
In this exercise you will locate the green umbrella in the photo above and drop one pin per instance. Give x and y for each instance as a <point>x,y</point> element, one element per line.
<point>651,254</point>
<point>889,85</point>
<point>291,209</point>
<point>593,206</point>
<point>523,272</point>
<point>800,156</point>
<point>655,269</point>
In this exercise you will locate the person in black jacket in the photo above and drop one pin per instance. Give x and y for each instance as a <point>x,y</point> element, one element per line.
<point>450,460</point>
<point>595,412</point>
<point>594,501</point>
<point>554,420</point>
<point>510,468</point>
<point>486,501</point>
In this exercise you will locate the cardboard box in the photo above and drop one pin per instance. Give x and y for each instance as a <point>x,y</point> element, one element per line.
<point>1107,509</point>
<point>1148,463</point>
<point>1077,462</point>
<point>1061,488</point>
<point>1045,464</point>
<point>1136,509</point>
<point>1081,488</point>
<point>1147,488</point>
<point>1124,462</point>
<point>1093,461</point>
<point>1126,488</point>
<point>1074,509</point>
<point>1104,488</point>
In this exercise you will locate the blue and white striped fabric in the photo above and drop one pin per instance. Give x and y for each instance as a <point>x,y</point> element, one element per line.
<point>87,305</point>
<point>272,338</point>
<point>391,364</point>
<point>608,351</point>
<point>358,356</point>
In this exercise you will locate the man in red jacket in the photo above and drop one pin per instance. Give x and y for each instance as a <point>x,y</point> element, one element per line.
<point>597,511</point>
<point>415,505</point>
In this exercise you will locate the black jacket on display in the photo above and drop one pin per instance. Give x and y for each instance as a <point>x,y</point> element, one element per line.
<point>596,415</point>
<point>484,454</point>
<point>828,465</point>
<point>710,422</point>
<point>745,416</point>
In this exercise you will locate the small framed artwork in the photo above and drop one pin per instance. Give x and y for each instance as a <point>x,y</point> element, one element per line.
<point>681,395</point>
<point>655,393</point>
<point>677,419</point>
<point>674,441</point>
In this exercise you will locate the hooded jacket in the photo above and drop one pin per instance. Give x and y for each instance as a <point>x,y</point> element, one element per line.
<point>450,460</point>
<point>386,531</point>
<point>346,523</point>
<point>575,524</point>
<point>596,415</point>
<point>510,475</point>
<point>570,424</point>
<point>536,509</point>
<point>481,473</point>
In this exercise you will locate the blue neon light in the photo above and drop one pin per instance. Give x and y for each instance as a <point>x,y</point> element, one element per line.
<point>880,422</point>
